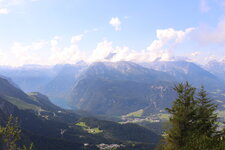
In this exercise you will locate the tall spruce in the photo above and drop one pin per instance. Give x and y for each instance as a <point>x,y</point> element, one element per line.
<point>181,119</point>
<point>206,117</point>
<point>193,122</point>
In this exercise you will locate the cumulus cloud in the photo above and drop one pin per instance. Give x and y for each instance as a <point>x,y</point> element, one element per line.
<point>43,52</point>
<point>116,23</point>
<point>105,51</point>
<point>52,52</point>
<point>48,52</point>
<point>204,6</point>
<point>70,54</point>
<point>167,39</point>
<point>209,35</point>
<point>102,50</point>
<point>159,49</point>
<point>24,54</point>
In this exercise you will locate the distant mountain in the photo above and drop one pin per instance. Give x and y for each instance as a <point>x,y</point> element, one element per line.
<point>7,89</point>
<point>120,88</point>
<point>188,71</point>
<point>54,81</point>
<point>115,88</point>
<point>59,88</point>
<point>50,127</point>
<point>30,78</point>
<point>34,101</point>
<point>217,68</point>
<point>124,70</point>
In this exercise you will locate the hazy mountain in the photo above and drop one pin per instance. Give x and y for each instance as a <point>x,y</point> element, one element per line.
<point>217,68</point>
<point>30,77</point>
<point>59,88</point>
<point>188,71</point>
<point>121,87</point>
<point>113,88</point>
<point>7,89</point>
<point>124,71</point>
<point>54,81</point>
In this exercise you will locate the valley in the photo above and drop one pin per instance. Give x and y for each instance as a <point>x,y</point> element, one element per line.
<point>101,105</point>
<point>115,88</point>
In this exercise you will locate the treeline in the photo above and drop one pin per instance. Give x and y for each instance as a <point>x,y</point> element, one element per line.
<point>193,122</point>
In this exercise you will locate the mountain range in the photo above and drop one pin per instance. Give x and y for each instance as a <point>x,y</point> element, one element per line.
<point>117,88</point>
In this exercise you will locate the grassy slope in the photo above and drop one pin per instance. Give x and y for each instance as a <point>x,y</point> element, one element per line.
<point>89,129</point>
<point>21,104</point>
<point>138,113</point>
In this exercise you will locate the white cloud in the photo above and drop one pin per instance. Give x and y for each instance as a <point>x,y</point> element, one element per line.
<point>160,49</point>
<point>204,6</point>
<point>43,52</point>
<point>38,45</point>
<point>102,50</point>
<point>54,41</point>
<point>178,36</point>
<point>3,59</point>
<point>4,11</point>
<point>116,23</point>
<point>167,39</point>
<point>105,51</point>
<point>27,54</point>
<point>52,52</point>
<point>70,54</point>
<point>194,54</point>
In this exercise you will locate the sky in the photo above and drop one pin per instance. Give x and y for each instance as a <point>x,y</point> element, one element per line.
<point>49,32</point>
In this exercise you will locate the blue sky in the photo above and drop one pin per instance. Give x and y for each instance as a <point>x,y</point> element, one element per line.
<point>49,32</point>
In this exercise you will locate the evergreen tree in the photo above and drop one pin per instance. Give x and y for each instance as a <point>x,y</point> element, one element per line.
<point>193,122</point>
<point>10,135</point>
<point>181,119</point>
<point>205,115</point>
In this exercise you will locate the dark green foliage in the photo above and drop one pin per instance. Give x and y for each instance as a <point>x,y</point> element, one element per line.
<point>181,119</point>
<point>45,133</point>
<point>202,142</point>
<point>10,135</point>
<point>193,122</point>
<point>122,132</point>
<point>205,114</point>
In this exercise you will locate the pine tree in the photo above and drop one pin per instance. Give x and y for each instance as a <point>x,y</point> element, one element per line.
<point>10,135</point>
<point>193,122</point>
<point>205,115</point>
<point>181,119</point>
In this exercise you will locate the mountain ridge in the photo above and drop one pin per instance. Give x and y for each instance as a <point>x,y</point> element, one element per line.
<point>123,87</point>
